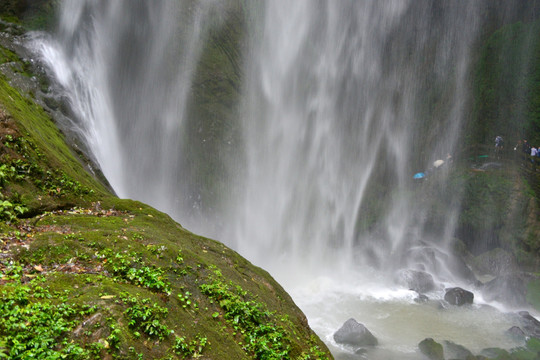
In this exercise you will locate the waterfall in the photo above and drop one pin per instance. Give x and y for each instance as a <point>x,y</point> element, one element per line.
<point>126,68</point>
<point>333,125</point>
<point>341,103</point>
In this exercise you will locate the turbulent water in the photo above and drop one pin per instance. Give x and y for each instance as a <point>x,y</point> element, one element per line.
<point>341,103</point>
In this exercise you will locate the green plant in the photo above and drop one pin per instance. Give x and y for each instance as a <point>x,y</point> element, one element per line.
<point>186,301</point>
<point>38,329</point>
<point>113,339</point>
<point>146,317</point>
<point>9,211</point>
<point>193,348</point>
<point>263,337</point>
<point>130,267</point>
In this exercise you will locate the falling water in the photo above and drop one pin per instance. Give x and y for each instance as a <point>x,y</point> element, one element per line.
<point>126,67</point>
<point>342,102</point>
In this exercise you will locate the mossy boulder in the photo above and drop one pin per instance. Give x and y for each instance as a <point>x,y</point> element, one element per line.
<point>87,275</point>
<point>432,349</point>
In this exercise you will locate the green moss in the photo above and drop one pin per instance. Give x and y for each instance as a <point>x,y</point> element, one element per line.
<point>33,15</point>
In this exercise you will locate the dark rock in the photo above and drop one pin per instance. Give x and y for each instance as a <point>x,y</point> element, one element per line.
<point>455,351</point>
<point>419,281</point>
<point>529,324</point>
<point>507,289</point>
<point>458,296</point>
<point>51,102</point>
<point>432,349</point>
<point>355,334</point>
<point>515,332</point>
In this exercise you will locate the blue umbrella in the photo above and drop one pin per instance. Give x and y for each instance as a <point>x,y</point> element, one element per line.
<point>419,175</point>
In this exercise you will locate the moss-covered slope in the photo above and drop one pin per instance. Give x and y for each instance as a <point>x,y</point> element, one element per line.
<point>86,275</point>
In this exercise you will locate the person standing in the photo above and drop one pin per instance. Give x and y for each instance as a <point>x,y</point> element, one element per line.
<point>499,145</point>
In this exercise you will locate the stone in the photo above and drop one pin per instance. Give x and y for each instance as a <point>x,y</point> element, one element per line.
<point>355,334</point>
<point>456,351</point>
<point>515,332</point>
<point>432,349</point>
<point>458,296</point>
<point>529,324</point>
<point>419,281</point>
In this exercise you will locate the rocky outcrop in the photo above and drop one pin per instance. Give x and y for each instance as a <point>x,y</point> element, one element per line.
<point>458,296</point>
<point>354,334</point>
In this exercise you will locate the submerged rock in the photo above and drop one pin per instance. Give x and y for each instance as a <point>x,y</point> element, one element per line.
<point>432,349</point>
<point>355,334</point>
<point>419,281</point>
<point>458,296</point>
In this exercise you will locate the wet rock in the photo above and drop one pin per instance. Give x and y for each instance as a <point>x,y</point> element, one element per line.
<point>529,324</point>
<point>509,289</point>
<point>355,334</point>
<point>432,349</point>
<point>421,298</point>
<point>516,333</point>
<point>456,351</point>
<point>458,296</point>
<point>495,353</point>
<point>419,281</point>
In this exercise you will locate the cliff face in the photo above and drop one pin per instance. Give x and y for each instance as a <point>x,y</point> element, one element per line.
<point>506,98</point>
<point>87,275</point>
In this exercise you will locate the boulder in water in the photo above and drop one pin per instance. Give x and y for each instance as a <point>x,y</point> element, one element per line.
<point>432,349</point>
<point>355,334</point>
<point>529,324</point>
<point>456,351</point>
<point>458,296</point>
<point>419,281</point>
<point>515,332</point>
